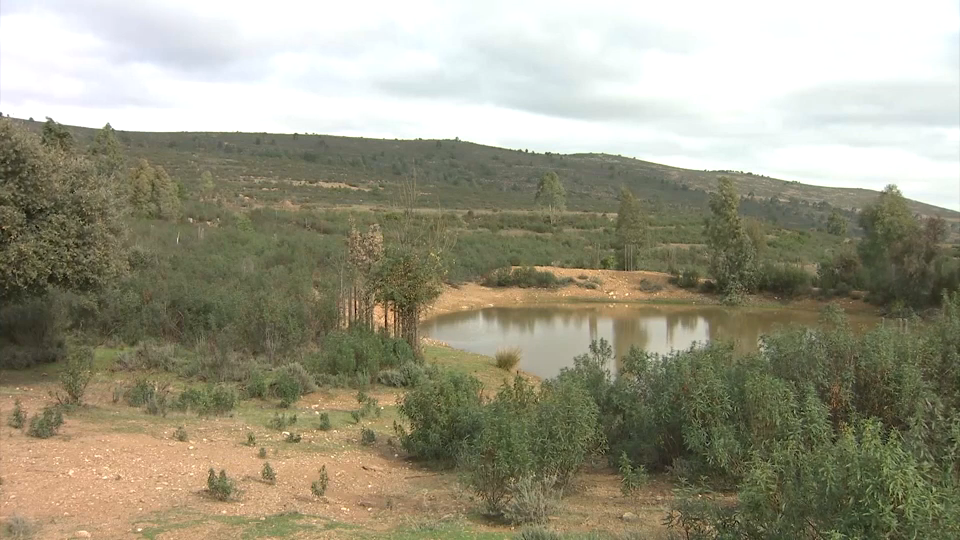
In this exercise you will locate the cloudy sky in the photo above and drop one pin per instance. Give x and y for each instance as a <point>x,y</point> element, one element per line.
<point>838,92</point>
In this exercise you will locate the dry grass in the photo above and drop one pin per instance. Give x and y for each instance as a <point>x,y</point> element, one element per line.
<point>507,359</point>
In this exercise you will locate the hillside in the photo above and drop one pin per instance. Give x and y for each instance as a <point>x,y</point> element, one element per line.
<point>323,170</point>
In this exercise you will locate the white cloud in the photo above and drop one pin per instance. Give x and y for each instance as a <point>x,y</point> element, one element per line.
<point>853,93</point>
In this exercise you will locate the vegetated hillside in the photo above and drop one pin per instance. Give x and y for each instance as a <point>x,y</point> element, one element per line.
<point>327,170</point>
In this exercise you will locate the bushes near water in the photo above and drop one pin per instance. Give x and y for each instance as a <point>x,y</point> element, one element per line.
<point>525,277</point>
<point>507,359</point>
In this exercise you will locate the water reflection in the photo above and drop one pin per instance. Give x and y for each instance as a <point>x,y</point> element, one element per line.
<point>550,336</point>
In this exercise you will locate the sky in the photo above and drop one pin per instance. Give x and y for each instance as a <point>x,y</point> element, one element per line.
<point>851,93</point>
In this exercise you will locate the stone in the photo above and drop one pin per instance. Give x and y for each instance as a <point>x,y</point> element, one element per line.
<point>629,517</point>
<point>82,534</point>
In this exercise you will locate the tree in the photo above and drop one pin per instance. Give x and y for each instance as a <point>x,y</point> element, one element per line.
<point>152,193</point>
<point>551,195</point>
<point>54,135</point>
<point>60,224</point>
<point>733,257</point>
<point>837,224</point>
<point>631,230</point>
<point>206,183</point>
<point>106,152</point>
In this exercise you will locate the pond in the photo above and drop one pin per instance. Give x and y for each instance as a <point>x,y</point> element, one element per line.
<point>550,336</point>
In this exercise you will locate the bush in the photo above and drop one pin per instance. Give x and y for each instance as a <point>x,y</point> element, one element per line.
<point>408,375</point>
<point>286,387</point>
<point>786,280</point>
<point>507,359</point>
<point>319,487</point>
<point>281,422</point>
<point>686,279</point>
<point>532,500</point>
<point>524,277</point>
<point>538,533</point>
<point>251,439</point>
<point>220,487</point>
<point>367,436</point>
<point>19,528</point>
<point>293,437</point>
<point>648,286</point>
<point>46,424</point>
<point>300,373</point>
<point>76,375</point>
<point>256,386</point>
<point>31,333</point>
<point>631,478</point>
<point>324,424</point>
<point>18,417</point>
<point>262,453</point>
<point>216,400</point>
<point>564,430</point>
<point>360,354</point>
<point>267,474</point>
<point>444,414</point>
<point>141,392</point>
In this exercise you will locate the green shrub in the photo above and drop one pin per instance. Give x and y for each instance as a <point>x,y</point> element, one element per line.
<point>444,414</point>
<point>281,422</point>
<point>524,277</point>
<point>181,434</point>
<point>157,401</point>
<point>564,430</point>
<point>220,487</point>
<point>76,375</point>
<point>141,392</point>
<point>319,486</point>
<point>46,424</point>
<point>783,279</point>
<point>688,278</point>
<point>532,500</point>
<point>300,373</point>
<point>18,417</point>
<point>262,453</point>
<point>251,439</point>
<point>360,354</point>
<point>286,387</point>
<point>19,527</point>
<point>222,400</point>
<point>407,375</point>
<point>267,474</point>
<point>507,359</point>
<point>631,478</point>
<point>538,533</point>
<point>324,424</point>
<point>256,386</point>
<point>367,436</point>
<point>31,333</point>
<point>293,437</point>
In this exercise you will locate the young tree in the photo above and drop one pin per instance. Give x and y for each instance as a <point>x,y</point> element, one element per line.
<point>631,230</point>
<point>60,223</point>
<point>206,183</point>
<point>152,193</point>
<point>107,153</point>
<point>54,135</point>
<point>733,257</point>
<point>837,224</point>
<point>551,195</point>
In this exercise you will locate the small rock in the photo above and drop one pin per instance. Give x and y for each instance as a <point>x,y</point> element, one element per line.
<point>629,517</point>
<point>81,534</point>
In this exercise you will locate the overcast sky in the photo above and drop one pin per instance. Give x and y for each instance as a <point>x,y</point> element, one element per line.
<point>839,92</point>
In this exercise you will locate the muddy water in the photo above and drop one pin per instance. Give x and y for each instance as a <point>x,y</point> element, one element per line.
<point>550,336</point>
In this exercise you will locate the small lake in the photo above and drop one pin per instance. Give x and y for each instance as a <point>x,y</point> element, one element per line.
<point>550,336</point>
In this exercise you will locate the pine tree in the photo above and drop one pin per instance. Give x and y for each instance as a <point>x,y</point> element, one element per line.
<point>631,230</point>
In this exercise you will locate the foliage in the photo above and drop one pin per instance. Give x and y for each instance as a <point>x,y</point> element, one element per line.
<point>76,375</point>
<point>444,414</point>
<point>56,137</point>
<point>319,487</point>
<point>251,439</point>
<point>367,436</point>
<point>688,278</point>
<point>19,527</point>
<point>281,422</point>
<point>18,417</point>
<point>181,434</point>
<point>107,153</point>
<point>564,430</point>
<point>46,424</point>
<point>532,501</point>
<point>324,424</point>
<point>783,279</point>
<point>267,474</point>
<point>841,272</point>
<point>631,230</point>
<point>507,359</point>
<point>220,487</point>
<point>359,351</point>
<point>31,332</point>
<point>293,437</point>
<point>732,253</point>
<point>524,277</point>
<point>837,224</point>
<point>262,453</point>
<point>631,478</point>
<point>551,195</point>
<point>152,193</point>
<point>62,226</point>
<point>286,387</point>
<point>216,400</point>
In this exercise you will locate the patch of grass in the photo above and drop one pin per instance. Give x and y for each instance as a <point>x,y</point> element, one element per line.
<point>19,527</point>
<point>480,366</point>
<point>507,359</point>
<point>282,525</point>
<point>281,422</point>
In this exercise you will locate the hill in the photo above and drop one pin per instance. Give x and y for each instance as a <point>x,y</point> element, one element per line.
<point>324,170</point>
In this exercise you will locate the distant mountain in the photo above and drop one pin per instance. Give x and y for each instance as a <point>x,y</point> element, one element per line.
<point>329,170</point>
